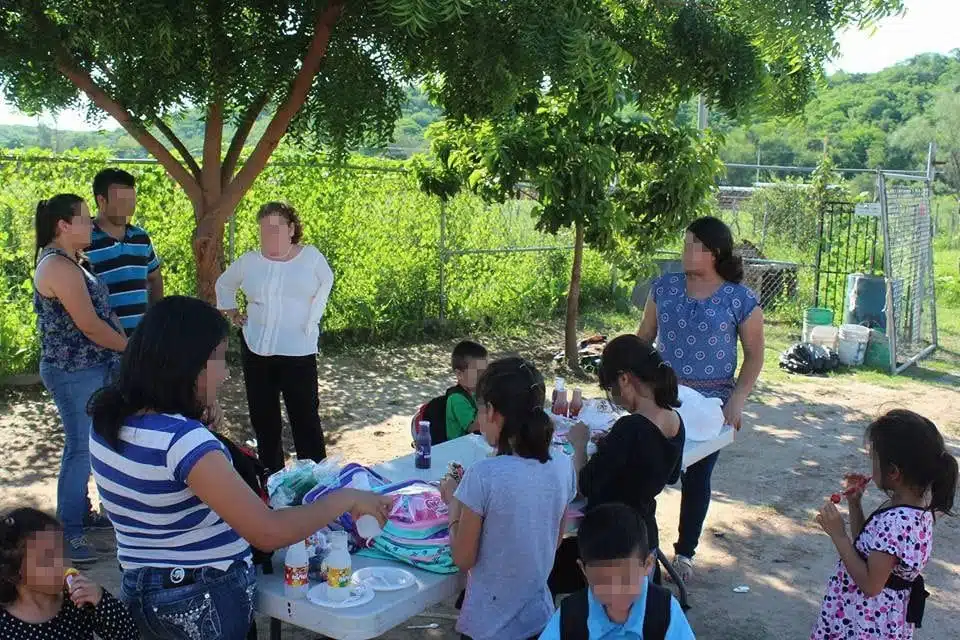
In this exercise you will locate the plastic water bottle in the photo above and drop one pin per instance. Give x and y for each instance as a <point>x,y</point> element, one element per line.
<point>423,442</point>
<point>339,568</point>
<point>295,568</point>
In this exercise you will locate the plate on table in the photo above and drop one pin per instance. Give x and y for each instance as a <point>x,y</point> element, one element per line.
<point>384,578</point>
<point>360,594</point>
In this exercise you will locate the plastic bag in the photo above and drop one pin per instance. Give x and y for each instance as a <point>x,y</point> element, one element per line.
<point>702,416</point>
<point>288,486</point>
<point>809,359</point>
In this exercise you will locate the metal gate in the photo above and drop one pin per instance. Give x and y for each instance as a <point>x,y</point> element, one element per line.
<point>848,243</point>
<point>908,267</point>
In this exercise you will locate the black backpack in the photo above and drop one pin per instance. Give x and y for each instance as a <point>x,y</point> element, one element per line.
<point>575,609</point>
<point>249,467</point>
<point>435,412</point>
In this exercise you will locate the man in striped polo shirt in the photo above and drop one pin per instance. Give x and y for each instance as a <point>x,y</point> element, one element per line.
<point>121,253</point>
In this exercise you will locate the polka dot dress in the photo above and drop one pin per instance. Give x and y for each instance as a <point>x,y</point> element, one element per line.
<point>110,620</point>
<point>846,613</point>
<point>698,338</point>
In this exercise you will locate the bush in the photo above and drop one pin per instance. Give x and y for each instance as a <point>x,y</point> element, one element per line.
<point>380,233</point>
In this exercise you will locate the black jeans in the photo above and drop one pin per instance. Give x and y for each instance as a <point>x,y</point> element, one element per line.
<point>694,502</point>
<point>266,378</point>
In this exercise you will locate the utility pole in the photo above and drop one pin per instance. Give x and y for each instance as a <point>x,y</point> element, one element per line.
<point>701,113</point>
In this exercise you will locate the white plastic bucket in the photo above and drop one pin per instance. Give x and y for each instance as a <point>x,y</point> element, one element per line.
<point>853,344</point>
<point>824,336</point>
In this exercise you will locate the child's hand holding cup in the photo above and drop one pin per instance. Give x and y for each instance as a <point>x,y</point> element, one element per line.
<point>450,482</point>
<point>81,590</point>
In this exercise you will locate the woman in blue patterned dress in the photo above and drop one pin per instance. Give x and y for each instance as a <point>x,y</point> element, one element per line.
<point>696,317</point>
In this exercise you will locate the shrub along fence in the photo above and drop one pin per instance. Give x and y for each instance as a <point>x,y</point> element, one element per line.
<point>380,233</point>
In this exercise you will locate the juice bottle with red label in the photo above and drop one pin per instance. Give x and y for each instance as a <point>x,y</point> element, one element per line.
<point>559,398</point>
<point>576,404</point>
<point>295,567</point>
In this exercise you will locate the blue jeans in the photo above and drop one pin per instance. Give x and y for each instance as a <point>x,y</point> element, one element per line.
<point>217,605</point>
<point>694,502</point>
<point>71,391</point>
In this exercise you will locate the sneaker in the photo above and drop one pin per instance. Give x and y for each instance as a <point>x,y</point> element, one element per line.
<point>80,551</point>
<point>96,520</point>
<point>684,567</point>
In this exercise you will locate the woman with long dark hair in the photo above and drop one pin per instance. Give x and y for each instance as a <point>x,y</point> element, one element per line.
<point>287,285</point>
<point>507,512</point>
<point>696,318</point>
<point>80,339</point>
<point>184,518</point>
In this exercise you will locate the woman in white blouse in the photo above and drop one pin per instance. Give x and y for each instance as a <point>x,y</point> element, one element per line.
<point>286,285</point>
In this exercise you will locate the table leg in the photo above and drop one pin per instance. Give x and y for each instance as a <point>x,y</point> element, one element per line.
<point>274,629</point>
<point>677,580</point>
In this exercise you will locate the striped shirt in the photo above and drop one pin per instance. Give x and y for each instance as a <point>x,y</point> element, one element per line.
<point>158,519</point>
<point>124,266</point>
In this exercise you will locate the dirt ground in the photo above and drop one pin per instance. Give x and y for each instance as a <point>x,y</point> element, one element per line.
<point>799,439</point>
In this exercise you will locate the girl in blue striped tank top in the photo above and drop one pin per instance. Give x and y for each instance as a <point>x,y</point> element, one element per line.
<point>184,518</point>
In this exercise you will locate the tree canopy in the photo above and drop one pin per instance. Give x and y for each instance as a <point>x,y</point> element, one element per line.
<point>331,72</point>
<point>608,159</point>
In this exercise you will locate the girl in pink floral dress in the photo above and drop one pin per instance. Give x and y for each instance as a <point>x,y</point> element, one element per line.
<point>877,592</point>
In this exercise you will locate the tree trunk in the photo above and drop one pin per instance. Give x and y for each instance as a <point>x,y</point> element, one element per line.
<point>208,253</point>
<point>573,306</point>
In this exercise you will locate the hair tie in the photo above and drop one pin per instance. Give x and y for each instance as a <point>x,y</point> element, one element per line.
<point>9,521</point>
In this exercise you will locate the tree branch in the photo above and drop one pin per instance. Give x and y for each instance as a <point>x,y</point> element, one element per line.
<point>240,136</point>
<point>299,90</point>
<point>179,146</point>
<point>82,80</point>
<point>212,146</point>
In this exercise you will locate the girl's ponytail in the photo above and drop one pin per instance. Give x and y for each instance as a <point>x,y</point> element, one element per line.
<point>515,389</point>
<point>665,387</point>
<point>60,208</point>
<point>911,444</point>
<point>629,354</point>
<point>534,435</point>
<point>944,486</point>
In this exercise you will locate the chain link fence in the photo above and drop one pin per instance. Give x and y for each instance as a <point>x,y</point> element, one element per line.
<point>908,266</point>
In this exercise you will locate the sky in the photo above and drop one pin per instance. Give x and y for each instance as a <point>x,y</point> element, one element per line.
<point>927,26</point>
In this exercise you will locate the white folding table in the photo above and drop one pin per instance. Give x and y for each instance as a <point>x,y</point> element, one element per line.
<point>391,609</point>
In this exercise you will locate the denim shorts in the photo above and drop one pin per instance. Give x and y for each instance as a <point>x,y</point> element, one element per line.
<point>210,605</point>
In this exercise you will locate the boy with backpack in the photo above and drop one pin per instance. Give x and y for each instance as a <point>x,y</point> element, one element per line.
<point>620,603</point>
<point>453,414</point>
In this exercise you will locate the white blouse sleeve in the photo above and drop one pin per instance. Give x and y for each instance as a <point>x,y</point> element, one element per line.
<point>229,283</point>
<point>318,303</point>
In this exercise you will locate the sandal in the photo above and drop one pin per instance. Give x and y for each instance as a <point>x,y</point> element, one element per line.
<point>684,567</point>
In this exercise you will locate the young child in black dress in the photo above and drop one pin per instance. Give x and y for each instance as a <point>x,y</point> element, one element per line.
<point>36,603</point>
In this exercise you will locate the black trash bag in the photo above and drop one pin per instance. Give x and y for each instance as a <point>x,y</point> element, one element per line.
<point>589,351</point>
<point>809,359</point>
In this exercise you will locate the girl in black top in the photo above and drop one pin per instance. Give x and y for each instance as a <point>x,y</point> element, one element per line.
<point>640,455</point>
<point>35,601</point>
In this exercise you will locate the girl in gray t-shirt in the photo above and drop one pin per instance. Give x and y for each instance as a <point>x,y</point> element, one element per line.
<point>507,512</point>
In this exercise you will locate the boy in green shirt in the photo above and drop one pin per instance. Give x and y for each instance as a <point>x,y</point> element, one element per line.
<point>469,360</point>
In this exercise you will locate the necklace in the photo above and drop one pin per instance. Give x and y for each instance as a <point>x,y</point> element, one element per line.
<point>280,258</point>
